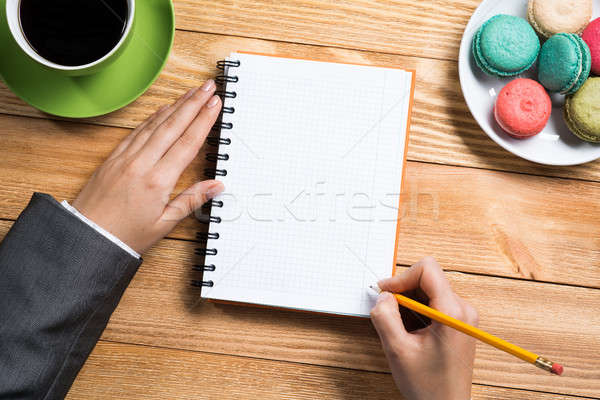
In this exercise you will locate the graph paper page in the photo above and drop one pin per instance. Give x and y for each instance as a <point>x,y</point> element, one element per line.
<point>312,187</point>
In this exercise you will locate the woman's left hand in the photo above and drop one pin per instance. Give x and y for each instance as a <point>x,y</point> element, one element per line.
<point>129,194</point>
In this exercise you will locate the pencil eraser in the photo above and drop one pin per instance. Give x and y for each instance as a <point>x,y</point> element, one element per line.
<point>557,369</point>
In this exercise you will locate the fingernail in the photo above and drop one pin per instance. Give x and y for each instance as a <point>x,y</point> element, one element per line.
<point>212,102</point>
<point>207,85</point>
<point>214,190</point>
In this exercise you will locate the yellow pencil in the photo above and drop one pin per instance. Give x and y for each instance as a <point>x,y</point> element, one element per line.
<point>477,333</point>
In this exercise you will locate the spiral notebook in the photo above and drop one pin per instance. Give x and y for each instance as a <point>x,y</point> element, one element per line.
<point>312,155</point>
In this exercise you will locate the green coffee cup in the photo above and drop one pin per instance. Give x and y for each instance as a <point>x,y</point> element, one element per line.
<point>13,13</point>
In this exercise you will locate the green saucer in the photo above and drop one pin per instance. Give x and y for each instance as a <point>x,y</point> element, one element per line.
<point>107,90</point>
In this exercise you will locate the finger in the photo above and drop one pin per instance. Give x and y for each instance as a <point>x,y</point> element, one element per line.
<point>387,320</point>
<point>185,149</point>
<point>469,313</point>
<point>188,201</point>
<point>129,138</point>
<point>176,124</point>
<point>426,275</point>
<point>164,113</point>
<point>457,308</point>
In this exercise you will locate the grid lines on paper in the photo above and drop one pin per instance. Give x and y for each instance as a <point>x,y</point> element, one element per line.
<point>296,192</point>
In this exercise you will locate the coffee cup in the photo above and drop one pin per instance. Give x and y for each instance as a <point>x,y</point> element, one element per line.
<point>71,37</point>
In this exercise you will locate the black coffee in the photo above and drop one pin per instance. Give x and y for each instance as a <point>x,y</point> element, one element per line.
<point>73,32</point>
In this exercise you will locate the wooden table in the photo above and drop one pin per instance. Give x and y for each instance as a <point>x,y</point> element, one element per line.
<point>520,241</point>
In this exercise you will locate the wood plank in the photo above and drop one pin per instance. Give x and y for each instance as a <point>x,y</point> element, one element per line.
<point>59,157</point>
<point>133,372</point>
<point>427,28</point>
<point>160,308</point>
<point>504,224</point>
<point>472,220</point>
<point>442,130</point>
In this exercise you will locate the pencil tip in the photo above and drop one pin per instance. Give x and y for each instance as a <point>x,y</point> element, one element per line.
<point>375,287</point>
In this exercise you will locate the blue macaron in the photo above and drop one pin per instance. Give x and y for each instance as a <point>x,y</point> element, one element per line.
<point>564,64</point>
<point>505,46</point>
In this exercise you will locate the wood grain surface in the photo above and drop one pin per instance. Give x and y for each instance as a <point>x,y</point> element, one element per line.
<point>519,241</point>
<point>442,130</point>
<point>120,371</point>
<point>431,29</point>
<point>534,228</point>
<point>161,309</point>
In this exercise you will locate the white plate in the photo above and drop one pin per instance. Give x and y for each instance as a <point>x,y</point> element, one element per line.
<point>555,145</point>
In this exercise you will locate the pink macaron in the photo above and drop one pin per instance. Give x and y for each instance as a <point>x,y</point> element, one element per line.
<point>523,108</point>
<point>591,36</point>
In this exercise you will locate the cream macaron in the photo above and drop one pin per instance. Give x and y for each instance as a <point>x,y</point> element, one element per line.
<point>549,17</point>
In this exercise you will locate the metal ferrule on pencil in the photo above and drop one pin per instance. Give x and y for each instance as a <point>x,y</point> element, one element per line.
<point>544,364</point>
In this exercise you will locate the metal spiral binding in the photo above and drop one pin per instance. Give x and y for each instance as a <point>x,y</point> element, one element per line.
<point>219,126</point>
<point>217,156</point>
<point>225,94</point>
<point>207,235</point>
<point>213,203</point>
<point>209,267</point>
<point>211,173</point>
<point>216,141</point>
<point>227,63</point>
<point>203,283</point>
<point>206,252</point>
<point>221,79</point>
<point>216,220</point>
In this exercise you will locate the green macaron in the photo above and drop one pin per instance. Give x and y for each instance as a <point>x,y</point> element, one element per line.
<point>564,64</point>
<point>582,111</point>
<point>505,46</point>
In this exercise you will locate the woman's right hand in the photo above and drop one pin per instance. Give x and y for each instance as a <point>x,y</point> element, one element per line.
<point>435,362</point>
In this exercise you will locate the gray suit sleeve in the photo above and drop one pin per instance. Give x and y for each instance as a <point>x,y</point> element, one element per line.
<point>60,280</point>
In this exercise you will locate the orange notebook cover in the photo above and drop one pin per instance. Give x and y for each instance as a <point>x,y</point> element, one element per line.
<point>313,158</point>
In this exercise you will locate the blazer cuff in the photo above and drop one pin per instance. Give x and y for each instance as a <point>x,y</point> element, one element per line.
<point>60,281</point>
<point>101,230</point>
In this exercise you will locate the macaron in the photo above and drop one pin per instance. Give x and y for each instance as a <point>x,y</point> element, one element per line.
<point>549,17</point>
<point>582,111</point>
<point>523,108</point>
<point>564,63</point>
<point>591,36</point>
<point>505,46</point>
